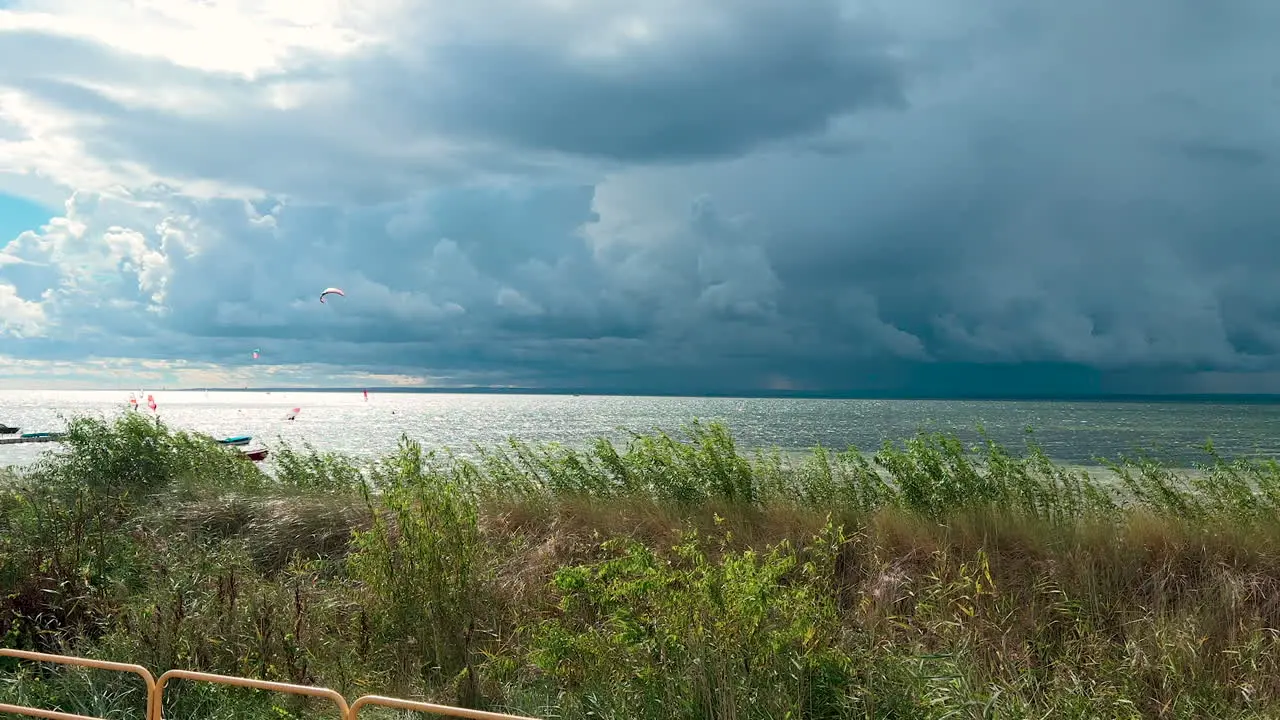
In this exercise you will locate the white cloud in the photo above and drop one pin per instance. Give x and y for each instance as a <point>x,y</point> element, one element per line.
<point>18,317</point>
<point>16,373</point>
<point>246,38</point>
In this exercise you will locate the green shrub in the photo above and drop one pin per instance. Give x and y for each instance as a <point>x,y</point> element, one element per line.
<point>419,566</point>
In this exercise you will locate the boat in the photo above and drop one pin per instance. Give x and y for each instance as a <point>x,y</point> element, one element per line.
<point>236,440</point>
<point>36,437</point>
<point>256,455</point>
<point>6,430</point>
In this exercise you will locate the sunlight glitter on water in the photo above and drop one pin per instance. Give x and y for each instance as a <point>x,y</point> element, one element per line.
<point>1073,432</point>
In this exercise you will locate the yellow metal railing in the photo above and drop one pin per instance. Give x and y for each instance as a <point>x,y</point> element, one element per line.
<point>156,687</point>
<point>156,709</point>
<point>422,707</point>
<point>138,670</point>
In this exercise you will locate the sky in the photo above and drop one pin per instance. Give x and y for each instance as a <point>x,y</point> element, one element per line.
<point>910,197</point>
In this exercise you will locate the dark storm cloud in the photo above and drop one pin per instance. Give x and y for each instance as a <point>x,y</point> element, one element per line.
<point>1240,157</point>
<point>768,71</point>
<point>759,72</point>
<point>1002,200</point>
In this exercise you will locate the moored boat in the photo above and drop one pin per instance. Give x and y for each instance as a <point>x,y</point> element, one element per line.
<point>256,455</point>
<point>236,440</point>
<point>6,430</point>
<point>35,437</point>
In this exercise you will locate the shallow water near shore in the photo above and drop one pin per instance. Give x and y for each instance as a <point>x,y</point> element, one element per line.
<point>1072,433</point>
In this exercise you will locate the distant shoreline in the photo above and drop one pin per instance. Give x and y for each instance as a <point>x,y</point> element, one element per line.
<point>1223,399</point>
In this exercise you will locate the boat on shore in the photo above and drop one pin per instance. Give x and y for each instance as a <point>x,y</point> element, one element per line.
<point>36,437</point>
<point>6,430</point>
<point>256,455</point>
<point>235,440</point>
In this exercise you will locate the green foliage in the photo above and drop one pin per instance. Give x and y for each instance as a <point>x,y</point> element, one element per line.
<point>750,635</point>
<point>670,577</point>
<point>72,530</point>
<point>705,468</point>
<point>315,471</point>
<point>419,563</point>
<point>134,457</point>
<point>935,475</point>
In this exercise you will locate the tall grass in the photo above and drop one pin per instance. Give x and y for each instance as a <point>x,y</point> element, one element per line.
<point>671,577</point>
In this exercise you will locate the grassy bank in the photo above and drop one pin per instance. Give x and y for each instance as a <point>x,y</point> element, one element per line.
<point>673,578</point>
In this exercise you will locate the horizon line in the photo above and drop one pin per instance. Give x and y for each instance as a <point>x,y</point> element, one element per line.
<point>741,394</point>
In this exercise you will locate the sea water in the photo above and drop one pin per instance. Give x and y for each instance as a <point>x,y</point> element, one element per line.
<point>1076,433</point>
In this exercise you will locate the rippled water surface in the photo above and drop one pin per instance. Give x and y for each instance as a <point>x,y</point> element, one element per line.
<point>1072,432</point>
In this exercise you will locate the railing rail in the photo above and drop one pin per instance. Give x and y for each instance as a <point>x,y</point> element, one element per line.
<point>42,713</point>
<point>138,670</point>
<point>156,687</point>
<point>157,703</point>
<point>415,706</point>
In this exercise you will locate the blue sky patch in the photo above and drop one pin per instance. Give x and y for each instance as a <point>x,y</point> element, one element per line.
<point>19,214</point>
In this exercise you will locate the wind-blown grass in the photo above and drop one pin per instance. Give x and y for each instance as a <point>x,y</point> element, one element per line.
<point>674,577</point>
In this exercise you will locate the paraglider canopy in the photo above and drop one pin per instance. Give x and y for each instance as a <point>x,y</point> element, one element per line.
<point>331,291</point>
